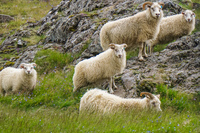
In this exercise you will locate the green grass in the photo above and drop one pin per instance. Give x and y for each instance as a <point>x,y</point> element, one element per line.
<point>24,11</point>
<point>33,39</point>
<point>131,53</point>
<point>52,107</point>
<point>49,60</point>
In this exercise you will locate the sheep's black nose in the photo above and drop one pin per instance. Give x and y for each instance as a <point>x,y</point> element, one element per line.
<point>157,14</point>
<point>120,56</point>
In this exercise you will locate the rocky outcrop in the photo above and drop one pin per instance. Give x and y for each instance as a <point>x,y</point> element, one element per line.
<point>5,18</point>
<point>74,27</point>
<point>178,66</point>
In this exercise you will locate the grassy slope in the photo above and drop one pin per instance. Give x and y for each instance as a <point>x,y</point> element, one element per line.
<point>53,108</point>
<point>24,11</point>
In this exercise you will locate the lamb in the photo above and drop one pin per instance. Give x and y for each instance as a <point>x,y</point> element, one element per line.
<point>173,27</point>
<point>103,66</point>
<point>134,30</point>
<point>16,80</point>
<point>96,100</point>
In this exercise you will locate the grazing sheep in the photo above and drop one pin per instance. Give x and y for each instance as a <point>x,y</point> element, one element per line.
<point>173,27</point>
<point>16,80</point>
<point>103,66</point>
<point>96,100</point>
<point>134,30</point>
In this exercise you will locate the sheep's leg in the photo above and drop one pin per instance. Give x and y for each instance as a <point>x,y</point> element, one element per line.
<point>3,92</point>
<point>140,52</point>
<point>110,86</point>
<point>149,50</point>
<point>113,81</point>
<point>144,50</point>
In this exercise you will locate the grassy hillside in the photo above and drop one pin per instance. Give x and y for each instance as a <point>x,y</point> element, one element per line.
<point>52,107</point>
<point>24,11</point>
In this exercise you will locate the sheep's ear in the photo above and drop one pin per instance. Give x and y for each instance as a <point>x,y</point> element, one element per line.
<point>158,96</point>
<point>193,14</point>
<point>149,6</point>
<point>112,46</point>
<point>193,10</point>
<point>22,65</point>
<point>34,64</point>
<point>161,4</point>
<point>183,12</point>
<point>125,45</point>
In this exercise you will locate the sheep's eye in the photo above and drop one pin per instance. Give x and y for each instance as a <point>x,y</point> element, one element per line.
<point>153,103</point>
<point>152,9</point>
<point>116,50</point>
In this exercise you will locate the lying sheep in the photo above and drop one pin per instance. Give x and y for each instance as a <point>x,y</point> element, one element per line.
<point>96,100</point>
<point>16,80</point>
<point>134,30</point>
<point>103,66</point>
<point>173,27</point>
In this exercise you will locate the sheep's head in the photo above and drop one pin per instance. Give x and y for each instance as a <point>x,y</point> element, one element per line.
<point>28,68</point>
<point>119,50</point>
<point>189,15</point>
<point>154,100</point>
<point>155,8</point>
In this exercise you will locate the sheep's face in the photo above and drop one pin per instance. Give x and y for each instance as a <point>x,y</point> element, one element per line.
<point>155,103</point>
<point>152,100</point>
<point>155,8</point>
<point>119,50</point>
<point>28,68</point>
<point>188,15</point>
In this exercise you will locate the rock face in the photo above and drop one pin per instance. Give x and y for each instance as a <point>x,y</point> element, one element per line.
<point>178,66</point>
<point>75,25</point>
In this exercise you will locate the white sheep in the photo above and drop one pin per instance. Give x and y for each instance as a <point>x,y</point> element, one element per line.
<point>18,80</point>
<point>134,30</point>
<point>103,66</point>
<point>173,27</point>
<point>97,100</point>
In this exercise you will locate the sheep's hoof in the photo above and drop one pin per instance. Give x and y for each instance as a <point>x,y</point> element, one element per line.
<point>141,59</point>
<point>145,55</point>
<point>115,87</point>
<point>111,92</point>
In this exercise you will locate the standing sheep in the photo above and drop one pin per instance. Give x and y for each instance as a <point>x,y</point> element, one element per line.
<point>134,30</point>
<point>96,100</point>
<point>173,27</point>
<point>15,80</point>
<point>103,66</point>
